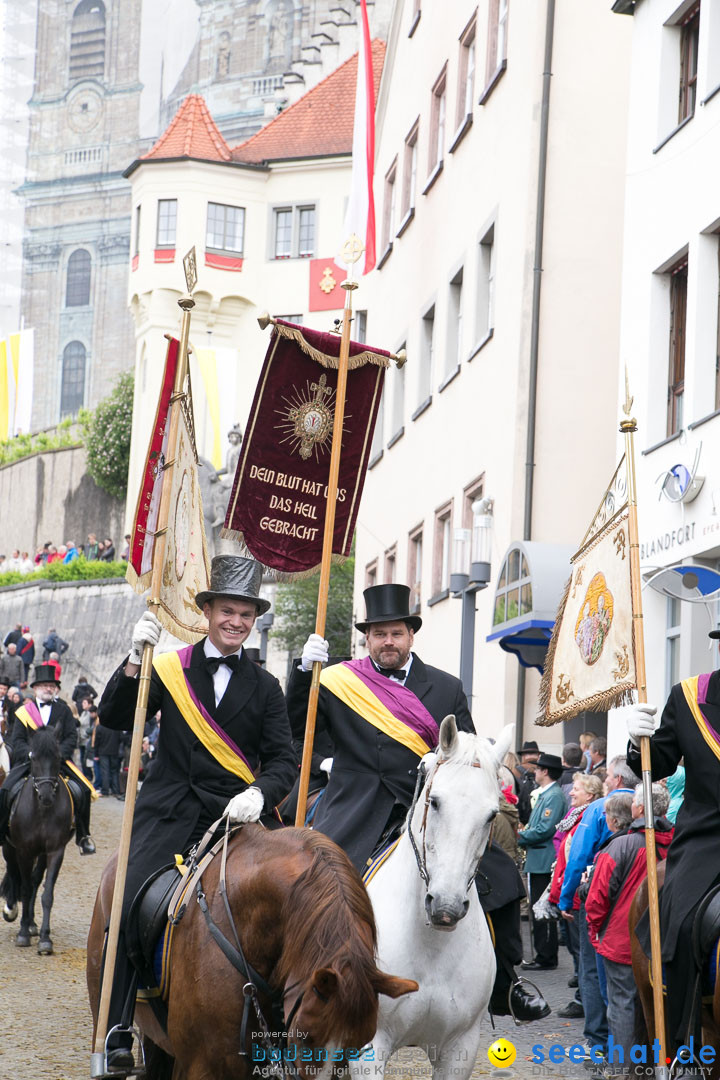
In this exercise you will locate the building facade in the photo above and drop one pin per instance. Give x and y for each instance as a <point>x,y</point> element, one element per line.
<point>670,329</point>
<point>499,195</point>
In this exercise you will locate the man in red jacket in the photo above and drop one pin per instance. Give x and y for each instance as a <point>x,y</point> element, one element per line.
<point>619,869</point>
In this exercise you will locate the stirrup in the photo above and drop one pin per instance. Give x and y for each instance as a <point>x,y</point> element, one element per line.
<point>538,991</point>
<point>98,1061</point>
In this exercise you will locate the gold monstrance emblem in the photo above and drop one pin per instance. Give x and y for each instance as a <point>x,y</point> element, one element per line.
<point>308,419</point>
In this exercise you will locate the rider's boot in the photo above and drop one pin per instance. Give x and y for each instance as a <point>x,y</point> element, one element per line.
<point>83,838</point>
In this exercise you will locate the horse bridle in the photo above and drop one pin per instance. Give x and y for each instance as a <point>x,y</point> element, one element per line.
<point>53,780</point>
<point>421,860</point>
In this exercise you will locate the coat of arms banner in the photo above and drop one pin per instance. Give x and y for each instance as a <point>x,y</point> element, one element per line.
<point>277,504</point>
<point>590,663</point>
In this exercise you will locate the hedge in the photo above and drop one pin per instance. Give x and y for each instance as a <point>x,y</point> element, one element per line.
<point>77,570</point>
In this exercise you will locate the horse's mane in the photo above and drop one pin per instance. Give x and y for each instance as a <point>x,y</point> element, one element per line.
<point>330,923</point>
<point>45,745</point>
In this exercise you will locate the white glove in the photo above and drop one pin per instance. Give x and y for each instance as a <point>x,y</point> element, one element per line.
<point>640,720</point>
<point>314,649</point>
<point>147,631</point>
<point>247,806</point>
<point>326,765</point>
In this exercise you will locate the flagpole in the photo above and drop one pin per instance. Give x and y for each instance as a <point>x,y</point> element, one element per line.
<point>98,1064</point>
<point>628,428</point>
<point>324,587</point>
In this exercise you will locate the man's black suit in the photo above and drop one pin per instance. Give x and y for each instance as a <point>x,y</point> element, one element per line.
<point>187,789</point>
<point>371,772</point>
<point>693,861</point>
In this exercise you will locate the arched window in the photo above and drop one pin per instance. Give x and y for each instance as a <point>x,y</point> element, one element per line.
<point>87,41</point>
<point>513,595</point>
<point>72,394</point>
<point>77,292</point>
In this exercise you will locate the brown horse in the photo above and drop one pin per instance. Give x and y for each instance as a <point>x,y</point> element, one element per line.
<point>641,973</point>
<point>305,924</point>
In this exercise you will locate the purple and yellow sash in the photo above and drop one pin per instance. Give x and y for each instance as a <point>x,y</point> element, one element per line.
<point>383,702</point>
<point>695,691</point>
<point>29,715</point>
<point>172,668</point>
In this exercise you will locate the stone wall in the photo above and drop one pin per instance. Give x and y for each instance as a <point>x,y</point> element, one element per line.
<point>49,496</point>
<point>96,619</point>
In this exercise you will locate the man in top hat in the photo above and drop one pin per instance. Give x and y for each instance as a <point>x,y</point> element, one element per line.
<point>47,711</point>
<point>225,746</point>
<point>688,731</point>
<point>524,774</point>
<point>373,770</point>
<point>537,839</point>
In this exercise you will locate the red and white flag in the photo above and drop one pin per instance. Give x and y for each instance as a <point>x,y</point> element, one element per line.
<point>360,216</point>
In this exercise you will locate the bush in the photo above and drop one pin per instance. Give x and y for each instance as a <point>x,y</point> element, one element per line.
<point>107,437</point>
<point>77,570</point>
<point>24,445</point>
<point>296,607</point>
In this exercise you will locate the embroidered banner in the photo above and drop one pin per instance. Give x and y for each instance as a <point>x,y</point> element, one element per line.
<point>385,704</point>
<point>277,504</point>
<point>186,567</point>
<point>170,667</point>
<point>590,663</point>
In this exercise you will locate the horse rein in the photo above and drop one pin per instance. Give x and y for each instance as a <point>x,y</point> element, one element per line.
<point>421,860</point>
<point>52,780</point>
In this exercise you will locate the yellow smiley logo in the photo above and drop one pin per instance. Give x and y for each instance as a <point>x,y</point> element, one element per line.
<point>501,1054</point>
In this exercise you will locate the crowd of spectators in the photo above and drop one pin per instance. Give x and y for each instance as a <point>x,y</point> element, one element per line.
<point>599,862</point>
<point>95,550</point>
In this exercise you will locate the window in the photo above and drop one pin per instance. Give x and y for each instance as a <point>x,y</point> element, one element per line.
<point>87,41</point>
<point>389,206</point>
<point>72,393</point>
<point>466,74</point>
<point>77,291</point>
<point>398,405</point>
<point>678,323</point>
<point>225,228</point>
<point>497,38</point>
<point>371,574</point>
<point>514,591</point>
<point>378,433</point>
<point>454,326</point>
<point>472,492</point>
<point>410,171</point>
<point>166,222</point>
<point>441,550</point>
<point>485,304</point>
<point>689,37</point>
<point>672,643</point>
<point>426,355</point>
<point>136,250</point>
<point>294,232</point>
<point>361,326</point>
<point>437,122</point>
<point>390,565</point>
<point>415,557</point>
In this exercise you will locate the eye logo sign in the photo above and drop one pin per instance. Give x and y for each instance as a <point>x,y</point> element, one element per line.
<point>501,1053</point>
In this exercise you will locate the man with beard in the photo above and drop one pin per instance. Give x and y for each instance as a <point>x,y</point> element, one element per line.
<point>380,712</point>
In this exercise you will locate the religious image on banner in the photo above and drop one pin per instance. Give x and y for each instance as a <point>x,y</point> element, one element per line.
<point>277,504</point>
<point>590,663</point>
<point>186,567</point>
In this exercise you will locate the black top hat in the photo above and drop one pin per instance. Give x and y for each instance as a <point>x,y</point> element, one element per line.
<point>528,748</point>
<point>45,673</point>
<point>388,603</point>
<point>235,576</point>
<point>550,761</point>
<point>5,680</point>
<point>254,655</point>
<point>714,634</point>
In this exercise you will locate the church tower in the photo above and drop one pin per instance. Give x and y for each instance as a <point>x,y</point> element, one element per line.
<point>84,117</point>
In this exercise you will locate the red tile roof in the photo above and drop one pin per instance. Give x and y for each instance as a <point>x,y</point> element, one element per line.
<point>320,123</point>
<point>191,133</point>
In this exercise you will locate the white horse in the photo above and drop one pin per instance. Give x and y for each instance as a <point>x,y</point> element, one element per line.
<point>426,888</point>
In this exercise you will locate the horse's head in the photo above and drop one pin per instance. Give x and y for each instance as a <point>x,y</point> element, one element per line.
<point>45,765</point>
<point>453,816</point>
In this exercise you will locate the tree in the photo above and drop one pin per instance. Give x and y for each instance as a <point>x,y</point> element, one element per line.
<point>107,437</point>
<point>296,607</point>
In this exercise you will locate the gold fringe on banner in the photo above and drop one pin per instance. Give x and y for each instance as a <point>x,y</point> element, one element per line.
<point>366,357</point>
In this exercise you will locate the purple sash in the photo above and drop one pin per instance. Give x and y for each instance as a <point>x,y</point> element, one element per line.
<point>185,656</point>
<point>401,702</point>
<point>34,713</point>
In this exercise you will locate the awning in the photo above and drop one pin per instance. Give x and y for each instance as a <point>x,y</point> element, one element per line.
<point>527,595</point>
<point>698,584</point>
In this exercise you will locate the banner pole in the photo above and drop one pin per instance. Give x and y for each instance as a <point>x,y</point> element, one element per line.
<point>98,1064</point>
<point>326,563</point>
<point>628,428</point>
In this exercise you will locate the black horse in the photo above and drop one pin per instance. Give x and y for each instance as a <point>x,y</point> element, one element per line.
<point>40,827</point>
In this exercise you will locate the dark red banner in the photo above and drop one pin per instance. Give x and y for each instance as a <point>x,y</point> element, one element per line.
<point>277,505</point>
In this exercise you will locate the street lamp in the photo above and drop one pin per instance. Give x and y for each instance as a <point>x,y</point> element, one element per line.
<point>472,550</point>
<point>262,625</point>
